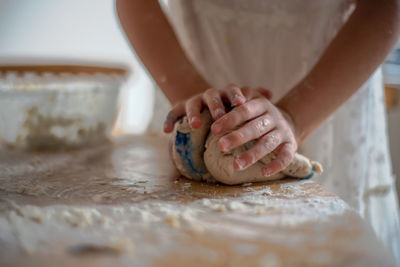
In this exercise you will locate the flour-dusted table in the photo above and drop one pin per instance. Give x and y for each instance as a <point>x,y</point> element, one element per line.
<point>125,205</point>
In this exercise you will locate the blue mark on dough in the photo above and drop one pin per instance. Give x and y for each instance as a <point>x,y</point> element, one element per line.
<point>311,174</point>
<point>185,150</point>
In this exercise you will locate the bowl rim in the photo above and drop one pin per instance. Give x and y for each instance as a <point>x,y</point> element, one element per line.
<point>65,68</point>
<point>59,69</point>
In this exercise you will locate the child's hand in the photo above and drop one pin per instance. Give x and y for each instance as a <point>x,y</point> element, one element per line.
<point>214,99</point>
<point>263,121</point>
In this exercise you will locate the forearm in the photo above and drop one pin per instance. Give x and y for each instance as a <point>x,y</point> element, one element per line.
<point>358,49</point>
<point>155,43</point>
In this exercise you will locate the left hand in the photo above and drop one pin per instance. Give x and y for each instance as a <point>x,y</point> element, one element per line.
<point>261,120</point>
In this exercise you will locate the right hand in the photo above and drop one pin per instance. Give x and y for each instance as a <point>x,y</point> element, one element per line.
<point>214,100</point>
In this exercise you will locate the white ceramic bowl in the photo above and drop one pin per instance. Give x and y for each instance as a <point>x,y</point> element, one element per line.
<point>58,106</point>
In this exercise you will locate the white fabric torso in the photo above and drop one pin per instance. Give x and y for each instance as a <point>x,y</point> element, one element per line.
<point>274,44</point>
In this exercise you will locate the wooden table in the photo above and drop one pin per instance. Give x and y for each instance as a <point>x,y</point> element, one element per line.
<point>125,205</point>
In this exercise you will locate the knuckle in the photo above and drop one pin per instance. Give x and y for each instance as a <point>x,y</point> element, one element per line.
<point>271,141</point>
<point>244,111</point>
<point>236,90</point>
<point>225,122</point>
<point>216,110</point>
<point>196,97</point>
<point>257,130</point>
<point>259,126</point>
<point>246,132</point>
<point>268,146</point>
<point>210,92</point>
<point>231,86</point>
<point>274,139</point>
<point>232,118</point>
<point>249,132</point>
<point>236,137</point>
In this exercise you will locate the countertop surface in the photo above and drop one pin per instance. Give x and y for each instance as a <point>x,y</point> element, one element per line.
<point>124,204</point>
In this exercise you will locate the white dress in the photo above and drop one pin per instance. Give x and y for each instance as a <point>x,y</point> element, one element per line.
<point>274,44</point>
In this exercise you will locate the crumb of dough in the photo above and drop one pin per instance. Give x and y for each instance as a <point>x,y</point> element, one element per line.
<point>78,217</point>
<point>220,208</point>
<point>189,219</point>
<point>213,206</point>
<point>317,167</point>
<point>260,211</point>
<point>36,218</point>
<point>35,161</point>
<point>236,206</point>
<point>173,220</point>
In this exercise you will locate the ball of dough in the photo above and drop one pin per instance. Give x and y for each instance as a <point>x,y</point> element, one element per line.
<point>197,156</point>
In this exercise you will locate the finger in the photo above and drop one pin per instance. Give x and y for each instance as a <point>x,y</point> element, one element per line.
<point>175,113</point>
<point>193,109</point>
<point>250,131</point>
<point>212,99</point>
<point>263,147</point>
<point>265,92</point>
<point>284,156</point>
<point>240,115</point>
<point>249,93</point>
<point>234,95</point>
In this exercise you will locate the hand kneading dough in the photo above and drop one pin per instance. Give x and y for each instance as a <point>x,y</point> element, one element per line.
<point>197,156</point>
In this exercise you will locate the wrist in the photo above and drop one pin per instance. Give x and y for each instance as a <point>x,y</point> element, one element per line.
<point>292,123</point>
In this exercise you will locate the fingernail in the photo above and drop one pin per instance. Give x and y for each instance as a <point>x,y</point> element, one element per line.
<point>238,100</point>
<point>219,112</point>
<point>166,127</point>
<point>240,164</point>
<point>194,121</point>
<point>217,128</point>
<point>267,171</point>
<point>224,144</point>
